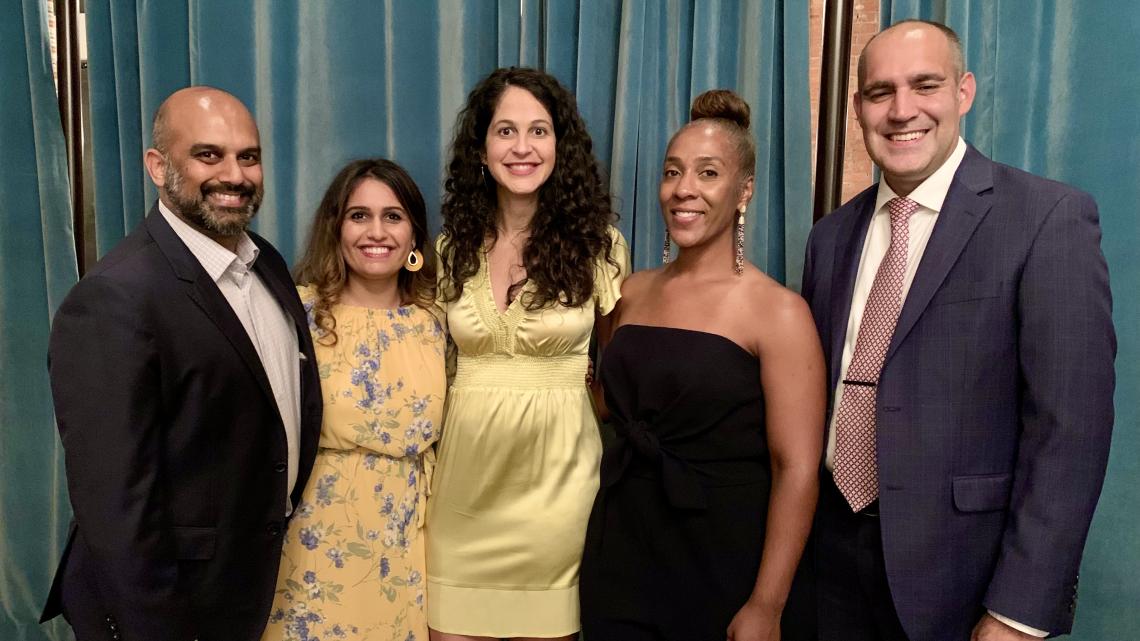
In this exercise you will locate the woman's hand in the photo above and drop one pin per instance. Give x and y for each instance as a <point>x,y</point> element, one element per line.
<point>755,622</point>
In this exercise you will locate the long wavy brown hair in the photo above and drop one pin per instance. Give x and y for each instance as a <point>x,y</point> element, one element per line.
<point>569,230</point>
<point>322,265</point>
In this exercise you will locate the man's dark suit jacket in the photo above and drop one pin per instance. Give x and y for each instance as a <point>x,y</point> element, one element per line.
<point>995,400</point>
<point>175,450</point>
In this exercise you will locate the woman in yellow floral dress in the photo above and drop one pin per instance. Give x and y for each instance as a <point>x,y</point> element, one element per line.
<point>353,562</point>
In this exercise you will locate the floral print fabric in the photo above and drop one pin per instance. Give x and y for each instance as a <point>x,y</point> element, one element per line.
<point>353,562</point>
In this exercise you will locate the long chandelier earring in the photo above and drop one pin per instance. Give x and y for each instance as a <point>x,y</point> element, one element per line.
<point>738,259</point>
<point>666,250</point>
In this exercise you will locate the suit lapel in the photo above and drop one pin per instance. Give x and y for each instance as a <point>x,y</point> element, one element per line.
<point>282,289</point>
<point>961,213</point>
<point>848,249</point>
<point>205,293</point>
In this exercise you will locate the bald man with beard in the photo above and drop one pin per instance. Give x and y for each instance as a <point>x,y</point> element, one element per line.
<point>186,397</point>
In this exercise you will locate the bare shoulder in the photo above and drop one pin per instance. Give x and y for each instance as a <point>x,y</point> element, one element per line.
<point>782,316</point>
<point>638,283</point>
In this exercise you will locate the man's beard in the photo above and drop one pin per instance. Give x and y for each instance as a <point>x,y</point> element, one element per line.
<point>197,209</point>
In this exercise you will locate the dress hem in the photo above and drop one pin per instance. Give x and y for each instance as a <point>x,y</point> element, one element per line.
<point>499,613</point>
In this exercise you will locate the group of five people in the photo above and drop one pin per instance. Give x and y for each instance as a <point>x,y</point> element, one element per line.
<point>409,440</point>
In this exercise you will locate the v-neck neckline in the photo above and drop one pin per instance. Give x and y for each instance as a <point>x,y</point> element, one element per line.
<point>490,283</point>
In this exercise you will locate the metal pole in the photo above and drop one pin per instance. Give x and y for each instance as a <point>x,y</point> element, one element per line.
<point>832,106</point>
<point>71,112</point>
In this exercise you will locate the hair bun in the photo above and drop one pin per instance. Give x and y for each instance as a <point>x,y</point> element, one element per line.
<point>722,104</point>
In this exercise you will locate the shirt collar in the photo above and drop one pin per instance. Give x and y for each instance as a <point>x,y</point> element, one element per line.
<point>931,193</point>
<point>214,258</point>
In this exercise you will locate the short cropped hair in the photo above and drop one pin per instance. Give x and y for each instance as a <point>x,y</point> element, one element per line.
<point>951,36</point>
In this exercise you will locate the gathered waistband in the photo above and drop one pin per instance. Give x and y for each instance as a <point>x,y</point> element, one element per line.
<point>533,372</point>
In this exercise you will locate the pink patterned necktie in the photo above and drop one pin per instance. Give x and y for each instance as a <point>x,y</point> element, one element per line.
<point>856,465</point>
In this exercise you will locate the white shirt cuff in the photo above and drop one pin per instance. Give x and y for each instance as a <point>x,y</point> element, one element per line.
<point>1020,627</point>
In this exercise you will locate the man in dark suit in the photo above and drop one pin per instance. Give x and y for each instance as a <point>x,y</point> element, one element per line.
<point>186,397</point>
<point>965,313</point>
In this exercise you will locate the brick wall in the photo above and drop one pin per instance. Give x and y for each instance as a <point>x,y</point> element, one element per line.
<point>865,23</point>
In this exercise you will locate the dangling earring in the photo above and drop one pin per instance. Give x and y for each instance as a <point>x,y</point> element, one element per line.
<point>415,261</point>
<point>738,260</point>
<point>483,171</point>
<point>666,250</point>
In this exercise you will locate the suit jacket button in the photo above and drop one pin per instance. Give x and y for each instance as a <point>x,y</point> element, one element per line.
<point>274,529</point>
<point>280,467</point>
<point>110,619</point>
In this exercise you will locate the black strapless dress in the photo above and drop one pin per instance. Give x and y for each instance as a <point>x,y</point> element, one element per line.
<point>677,529</point>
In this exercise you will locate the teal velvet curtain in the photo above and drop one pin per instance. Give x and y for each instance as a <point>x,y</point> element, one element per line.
<point>37,267</point>
<point>1059,95</point>
<point>329,82</point>
<point>332,81</point>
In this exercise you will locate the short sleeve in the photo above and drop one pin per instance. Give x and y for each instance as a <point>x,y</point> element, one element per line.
<point>607,277</point>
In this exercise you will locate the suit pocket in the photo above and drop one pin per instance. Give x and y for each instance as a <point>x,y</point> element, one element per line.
<point>984,493</point>
<point>193,543</point>
<point>967,291</point>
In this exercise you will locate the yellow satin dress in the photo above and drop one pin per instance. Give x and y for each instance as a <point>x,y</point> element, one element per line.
<point>517,465</point>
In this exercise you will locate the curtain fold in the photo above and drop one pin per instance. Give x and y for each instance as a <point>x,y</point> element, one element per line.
<point>333,81</point>
<point>37,267</point>
<point>668,53</point>
<point>1057,96</point>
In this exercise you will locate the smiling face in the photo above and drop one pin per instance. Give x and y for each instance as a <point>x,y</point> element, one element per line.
<point>702,187</point>
<point>910,102</point>
<point>376,233</point>
<point>208,171</point>
<point>520,145</point>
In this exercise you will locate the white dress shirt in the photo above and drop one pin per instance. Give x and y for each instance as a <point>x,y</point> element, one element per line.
<point>929,195</point>
<point>268,326</point>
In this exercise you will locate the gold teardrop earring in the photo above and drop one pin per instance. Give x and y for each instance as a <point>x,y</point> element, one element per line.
<point>415,261</point>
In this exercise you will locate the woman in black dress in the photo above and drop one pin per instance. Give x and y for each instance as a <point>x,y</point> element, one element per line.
<point>715,381</point>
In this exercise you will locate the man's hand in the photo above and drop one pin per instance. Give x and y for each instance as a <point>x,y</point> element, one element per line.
<point>990,629</point>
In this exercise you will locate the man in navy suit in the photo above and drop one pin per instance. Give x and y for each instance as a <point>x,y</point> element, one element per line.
<point>187,399</point>
<point>965,313</point>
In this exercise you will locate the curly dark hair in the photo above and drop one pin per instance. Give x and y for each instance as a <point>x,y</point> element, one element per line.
<point>322,266</point>
<point>570,228</point>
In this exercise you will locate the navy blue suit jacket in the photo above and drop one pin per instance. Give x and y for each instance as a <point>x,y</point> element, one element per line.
<point>176,455</point>
<point>994,404</point>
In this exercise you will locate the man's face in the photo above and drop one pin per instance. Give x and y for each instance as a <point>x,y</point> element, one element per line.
<point>910,102</point>
<point>211,175</point>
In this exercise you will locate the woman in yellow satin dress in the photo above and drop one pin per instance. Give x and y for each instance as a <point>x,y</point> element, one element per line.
<point>529,262</point>
<point>353,565</point>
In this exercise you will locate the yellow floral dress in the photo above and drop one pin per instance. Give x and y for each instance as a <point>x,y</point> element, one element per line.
<point>353,561</point>
<point>518,463</point>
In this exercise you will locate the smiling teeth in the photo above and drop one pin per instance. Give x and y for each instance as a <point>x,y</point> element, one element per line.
<point>376,252</point>
<point>227,198</point>
<point>907,137</point>
<point>688,215</point>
